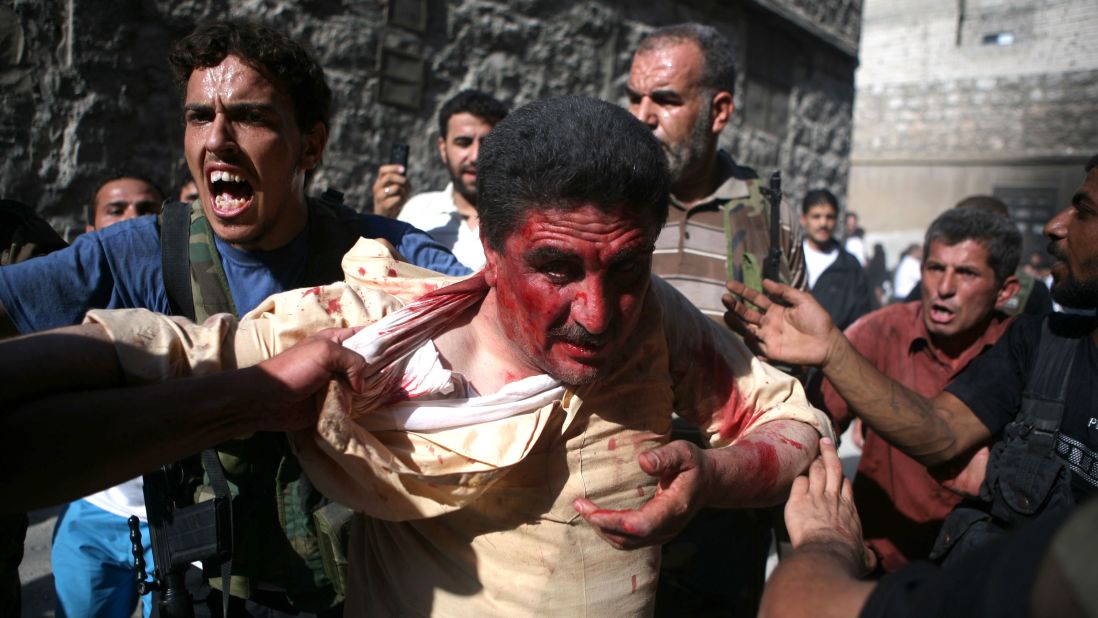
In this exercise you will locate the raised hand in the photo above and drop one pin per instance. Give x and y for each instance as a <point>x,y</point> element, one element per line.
<point>797,330</point>
<point>391,190</point>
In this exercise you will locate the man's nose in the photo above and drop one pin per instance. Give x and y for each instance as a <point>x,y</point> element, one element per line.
<point>221,137</point>
<point>947,285</point>
<point>591,306</point>
<point>474,151</point>
<point>645,111</point>
<point>1056,228</point>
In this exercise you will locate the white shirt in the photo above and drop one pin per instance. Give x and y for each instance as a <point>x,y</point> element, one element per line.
<point>436,213</point>
<point>855,245</point>
<point>816,262</point>
<point>908,275</point>
<point>123,500</point>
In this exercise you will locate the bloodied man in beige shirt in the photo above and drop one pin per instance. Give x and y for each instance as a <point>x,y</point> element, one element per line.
<point>509,453</point>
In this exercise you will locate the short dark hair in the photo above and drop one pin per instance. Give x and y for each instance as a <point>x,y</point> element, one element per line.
<point>985,202</point>
<point>566,152</point>
<point>480,104</point>
<point>999,236</point>
<point>1093,163</point>
<point>816,197</point>
<point>719,61</point>
<point>119,174</point>
<point>281,59</point>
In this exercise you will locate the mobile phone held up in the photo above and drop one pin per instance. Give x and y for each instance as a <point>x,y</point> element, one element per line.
<point>398,154</point>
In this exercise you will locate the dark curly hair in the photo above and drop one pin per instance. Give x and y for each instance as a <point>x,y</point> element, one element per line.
<point>277,56</point>
<point>564,153</point>
<point>479,104</point>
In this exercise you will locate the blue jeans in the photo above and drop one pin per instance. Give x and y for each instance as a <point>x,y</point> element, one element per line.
<point>93,563</point>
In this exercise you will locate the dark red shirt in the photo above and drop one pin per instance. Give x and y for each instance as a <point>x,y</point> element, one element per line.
<point>901,505</point>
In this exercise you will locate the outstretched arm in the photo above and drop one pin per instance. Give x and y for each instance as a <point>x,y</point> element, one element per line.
<point>59,439</point>
<point>821,576</point>
<point>799,331</point>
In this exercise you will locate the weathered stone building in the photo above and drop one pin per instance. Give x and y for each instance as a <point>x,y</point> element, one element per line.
<point>84,85</point>
<point>957,97</point>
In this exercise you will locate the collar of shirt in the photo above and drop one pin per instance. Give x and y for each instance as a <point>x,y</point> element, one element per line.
<point>732,185</point>
<point>921,340</point>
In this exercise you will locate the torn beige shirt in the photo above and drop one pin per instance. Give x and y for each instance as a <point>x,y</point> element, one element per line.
<point>490,530</point>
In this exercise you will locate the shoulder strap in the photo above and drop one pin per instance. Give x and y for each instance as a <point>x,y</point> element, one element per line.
<point>175,227</point>
<point>1046,388</point>
<point>209,285</point>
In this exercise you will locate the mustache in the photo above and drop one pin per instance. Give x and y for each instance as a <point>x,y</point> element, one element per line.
<point>1055,251</point>
<point>579,336</point>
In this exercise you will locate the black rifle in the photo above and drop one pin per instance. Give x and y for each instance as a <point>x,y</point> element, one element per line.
<point>772,263</point>
<point>183,532</point>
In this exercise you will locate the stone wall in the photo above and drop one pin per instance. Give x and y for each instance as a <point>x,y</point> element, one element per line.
<point>85,84</point>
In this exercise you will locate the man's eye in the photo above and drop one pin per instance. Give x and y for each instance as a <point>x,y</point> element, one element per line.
<point>197,117</point>
<point>558,272</point>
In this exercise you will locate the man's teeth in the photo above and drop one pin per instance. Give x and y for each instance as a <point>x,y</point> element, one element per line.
<point>219,175</point>
<point>224,202</point>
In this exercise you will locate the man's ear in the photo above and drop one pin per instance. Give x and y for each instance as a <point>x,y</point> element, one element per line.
<point>490,259</point>
<point>313,143</point>
<point>1010,287</point>
<point>720,110</point>
<point>442,150</point>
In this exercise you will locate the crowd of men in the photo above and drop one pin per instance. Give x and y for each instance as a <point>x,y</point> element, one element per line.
<point>547,388</point>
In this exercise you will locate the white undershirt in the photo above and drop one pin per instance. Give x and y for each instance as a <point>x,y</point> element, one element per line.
<point>816,262</point>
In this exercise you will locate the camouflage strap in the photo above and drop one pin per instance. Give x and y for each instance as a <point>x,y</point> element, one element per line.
<point>209,284</point>
<point>288,534</point>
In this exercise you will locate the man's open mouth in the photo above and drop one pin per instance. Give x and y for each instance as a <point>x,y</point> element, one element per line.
<point>940,313</point>
<point>230,193</point>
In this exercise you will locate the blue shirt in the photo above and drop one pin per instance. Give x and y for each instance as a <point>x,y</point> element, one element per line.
<point>120,267</point>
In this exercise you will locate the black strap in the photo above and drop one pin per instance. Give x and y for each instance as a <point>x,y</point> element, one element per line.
<point>175,231</point>
<point>1046,389</point>
<point>220,486</point>
<point>773,261</point>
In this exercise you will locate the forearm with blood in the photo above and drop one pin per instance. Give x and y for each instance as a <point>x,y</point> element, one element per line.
<point>758,468</point>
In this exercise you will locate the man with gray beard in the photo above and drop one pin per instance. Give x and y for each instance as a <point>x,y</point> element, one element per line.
<point>718,228</point>
<point>680,85</point>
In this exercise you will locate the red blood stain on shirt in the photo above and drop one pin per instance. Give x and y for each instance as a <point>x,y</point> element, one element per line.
<point>640,491</point>
<point>315,291</point>
<point>334,306</point>
<point>392,272</point>
<point>612,444</point>
<point>634,583</point>
<point>361,271</point>
<point>733,414</point>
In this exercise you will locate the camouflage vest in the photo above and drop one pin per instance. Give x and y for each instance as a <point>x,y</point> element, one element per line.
<point>285,533</point>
